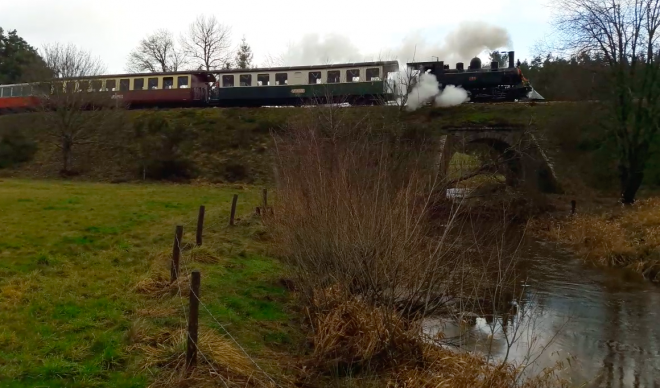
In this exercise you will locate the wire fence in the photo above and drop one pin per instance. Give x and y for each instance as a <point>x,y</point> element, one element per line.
<point>182,271</point>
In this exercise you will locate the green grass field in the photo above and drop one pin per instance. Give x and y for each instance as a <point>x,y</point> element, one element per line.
<point>82,267</point>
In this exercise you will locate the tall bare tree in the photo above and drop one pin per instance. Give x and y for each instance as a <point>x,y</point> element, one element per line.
<point>74,109</point>
<point>156,53</point>
<point>207,43</point>
<point>625,33</point>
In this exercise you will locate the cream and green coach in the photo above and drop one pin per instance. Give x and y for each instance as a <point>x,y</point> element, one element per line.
<point>362,83</point>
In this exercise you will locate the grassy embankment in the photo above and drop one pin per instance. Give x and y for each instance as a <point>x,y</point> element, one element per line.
<point>84,299</point>
<point>231,145</point>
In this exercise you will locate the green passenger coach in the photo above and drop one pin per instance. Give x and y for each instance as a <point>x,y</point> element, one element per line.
<point>363,83</point>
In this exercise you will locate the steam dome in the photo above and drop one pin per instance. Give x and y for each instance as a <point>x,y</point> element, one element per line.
<point>475,63</point>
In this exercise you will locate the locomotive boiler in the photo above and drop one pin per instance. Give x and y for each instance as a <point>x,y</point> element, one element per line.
<point>483,84</point>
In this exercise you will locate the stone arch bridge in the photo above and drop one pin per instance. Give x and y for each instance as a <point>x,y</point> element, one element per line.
<point>522,159</point>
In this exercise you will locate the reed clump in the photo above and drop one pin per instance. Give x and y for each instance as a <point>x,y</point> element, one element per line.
<point>628,238</point>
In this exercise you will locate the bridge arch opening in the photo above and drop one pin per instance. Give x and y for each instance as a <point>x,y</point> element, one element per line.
<point>483,160</point>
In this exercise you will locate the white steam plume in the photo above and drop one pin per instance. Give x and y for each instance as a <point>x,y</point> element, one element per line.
<point>428,88</point>
<point>451,95</point>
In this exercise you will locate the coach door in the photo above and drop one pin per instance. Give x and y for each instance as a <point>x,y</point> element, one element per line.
<point>199,93</point>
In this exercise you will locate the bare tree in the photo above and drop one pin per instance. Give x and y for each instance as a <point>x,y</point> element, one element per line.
<point>156,53</point>
<point>208,43</point>
<point>271,60</point>
<point>625,33</point>
<point>74,108</point>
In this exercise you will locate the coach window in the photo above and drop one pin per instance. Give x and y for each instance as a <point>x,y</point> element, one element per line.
<point>2,91</point>
<point>353,75</point>
<point>57,87</point>
<point>110,85</point>
<point>263,79</point>
<point>182,82</point>
<point>245,79</point>
<point>138,83</point>
<point>124,84</point>
<point>168,82</point>
<point>334,76</point>
<point>84,86</point>
<point>314,77</point>
<point>152,83</point>
<point>281,79</point>
<point>373,74</point>
<point>96,85</point>
<point>70,86</point>
<point>227,81</point>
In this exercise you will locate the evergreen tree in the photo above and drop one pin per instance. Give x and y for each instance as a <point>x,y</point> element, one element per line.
<point>19,62</point>
<point>501,59</point>
<point>244,55</point>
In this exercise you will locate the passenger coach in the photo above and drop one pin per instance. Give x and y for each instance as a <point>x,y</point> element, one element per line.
<point>175,89</point>
<point>355,83</point>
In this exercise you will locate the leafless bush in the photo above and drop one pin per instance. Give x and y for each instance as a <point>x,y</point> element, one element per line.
<point>356,202</point>
<point>375,245</point>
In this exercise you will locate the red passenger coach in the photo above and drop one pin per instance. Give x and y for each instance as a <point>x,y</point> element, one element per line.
<point>158,89</point>
<point>16,98</point>
<point>147,90</point>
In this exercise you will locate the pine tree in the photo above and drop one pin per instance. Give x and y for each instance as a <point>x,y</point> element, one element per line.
<point>501,59</point>
<point>19,62</point>
<point>244,55</point>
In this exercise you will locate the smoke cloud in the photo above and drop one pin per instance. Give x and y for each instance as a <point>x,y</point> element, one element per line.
<point>468,40</point>
<point>464,43</point>
<point>428,88</point>
<point>313,49</point>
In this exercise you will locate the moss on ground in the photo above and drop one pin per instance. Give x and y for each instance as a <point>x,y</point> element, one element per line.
<point>81,278</point>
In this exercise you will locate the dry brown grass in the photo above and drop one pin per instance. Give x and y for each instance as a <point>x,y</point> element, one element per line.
<point>628,237</point>
<point>219,362</point>
<point>157,285</point>
<point>352,336</point>
<point>203,255</point>
<point>16,291</point>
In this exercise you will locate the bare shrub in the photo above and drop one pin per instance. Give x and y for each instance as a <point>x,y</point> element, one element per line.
<point>375,246</point>
<point>353,205</point>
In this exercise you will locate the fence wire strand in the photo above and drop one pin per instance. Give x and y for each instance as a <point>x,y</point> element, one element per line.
<point>183,261</point>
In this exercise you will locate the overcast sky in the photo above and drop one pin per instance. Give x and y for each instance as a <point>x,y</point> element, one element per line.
<point>111,29</point>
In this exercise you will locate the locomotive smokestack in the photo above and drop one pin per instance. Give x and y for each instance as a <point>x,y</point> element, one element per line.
<point>511,61</point>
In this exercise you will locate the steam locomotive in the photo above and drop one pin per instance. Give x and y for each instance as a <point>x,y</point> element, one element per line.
<point>490,84</point>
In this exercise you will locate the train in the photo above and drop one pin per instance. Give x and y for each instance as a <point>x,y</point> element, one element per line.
<point>360,83</point>
<point>489,84</point>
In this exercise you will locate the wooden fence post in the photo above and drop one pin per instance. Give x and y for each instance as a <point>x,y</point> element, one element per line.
<point>573,206</point>
<point>200,225</point>
<point>265,199</point>
<point>193,317</point>
<point>233,210</point>
<point>176,253</point>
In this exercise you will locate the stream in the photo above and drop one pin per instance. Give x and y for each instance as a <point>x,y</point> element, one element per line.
<point>607,320</point>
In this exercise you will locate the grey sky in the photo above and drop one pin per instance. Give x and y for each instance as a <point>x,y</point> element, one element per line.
<point>111,29</point>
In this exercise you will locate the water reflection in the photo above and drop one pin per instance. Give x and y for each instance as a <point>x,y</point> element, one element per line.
<point>606,320</point>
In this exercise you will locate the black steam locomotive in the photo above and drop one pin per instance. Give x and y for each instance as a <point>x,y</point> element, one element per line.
<point>482,84</point>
